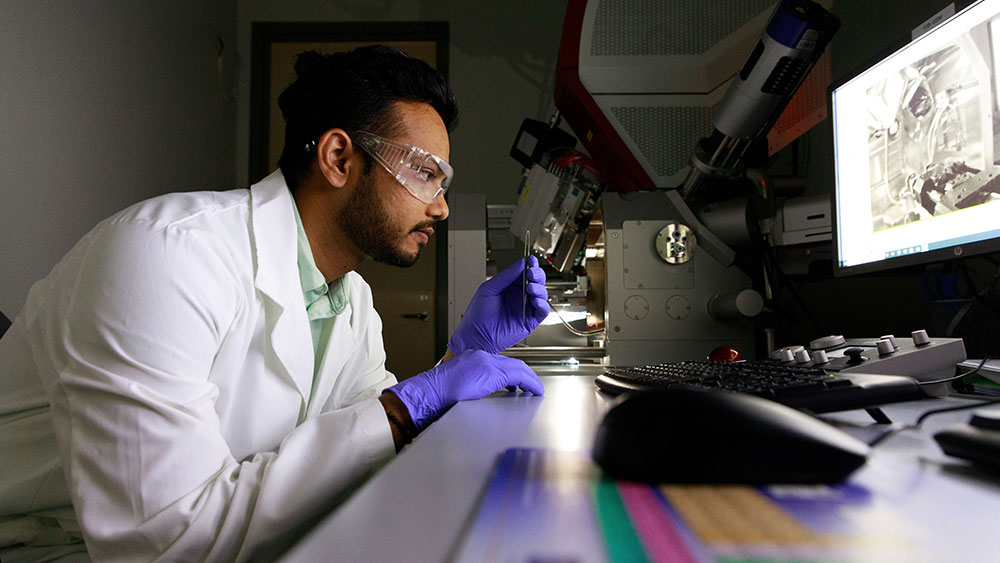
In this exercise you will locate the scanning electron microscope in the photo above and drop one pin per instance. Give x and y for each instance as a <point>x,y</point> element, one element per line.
<point>650,265</point>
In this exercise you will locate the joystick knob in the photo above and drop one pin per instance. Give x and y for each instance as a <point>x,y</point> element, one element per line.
<point>920,338</point>
<point>856,355</point>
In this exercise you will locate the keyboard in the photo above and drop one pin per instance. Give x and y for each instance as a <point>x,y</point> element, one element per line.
<point>801,387</point>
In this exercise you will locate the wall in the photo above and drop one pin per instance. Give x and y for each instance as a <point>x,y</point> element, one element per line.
<point>103,104</point>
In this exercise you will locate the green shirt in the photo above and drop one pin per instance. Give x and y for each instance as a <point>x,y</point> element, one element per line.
<point>323,301</point>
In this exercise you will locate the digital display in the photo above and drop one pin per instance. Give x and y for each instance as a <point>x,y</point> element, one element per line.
<point>916,149</point>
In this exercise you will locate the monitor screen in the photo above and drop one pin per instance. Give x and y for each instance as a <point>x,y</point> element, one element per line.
<point>916,149</point>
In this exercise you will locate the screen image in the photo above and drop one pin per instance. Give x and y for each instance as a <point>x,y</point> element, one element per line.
<point>916,144</point>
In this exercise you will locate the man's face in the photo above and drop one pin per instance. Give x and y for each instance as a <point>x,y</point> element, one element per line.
<point>383,219</point>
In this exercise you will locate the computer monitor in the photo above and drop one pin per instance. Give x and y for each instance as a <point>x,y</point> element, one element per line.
<point>916,149</point>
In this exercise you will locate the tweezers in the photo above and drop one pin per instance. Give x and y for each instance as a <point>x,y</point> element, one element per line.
<point>524,278</point>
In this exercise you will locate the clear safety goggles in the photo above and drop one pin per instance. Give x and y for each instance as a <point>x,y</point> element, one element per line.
<point>424,175</point>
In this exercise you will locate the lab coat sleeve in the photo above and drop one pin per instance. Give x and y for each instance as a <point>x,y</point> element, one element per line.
<point>128,344</point>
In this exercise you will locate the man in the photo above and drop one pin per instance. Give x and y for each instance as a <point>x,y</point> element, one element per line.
<point>203,374</point>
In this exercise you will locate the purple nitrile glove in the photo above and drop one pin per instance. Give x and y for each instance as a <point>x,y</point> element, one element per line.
<point>470,375</point>
<point>493,321</point>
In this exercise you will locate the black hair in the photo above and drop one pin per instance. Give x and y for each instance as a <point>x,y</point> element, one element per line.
<point>354,91</point>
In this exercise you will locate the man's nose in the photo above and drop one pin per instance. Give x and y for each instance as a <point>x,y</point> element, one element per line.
<point>438,210</point>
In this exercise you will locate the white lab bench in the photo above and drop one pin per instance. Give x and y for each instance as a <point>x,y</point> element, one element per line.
<point>420,505</point>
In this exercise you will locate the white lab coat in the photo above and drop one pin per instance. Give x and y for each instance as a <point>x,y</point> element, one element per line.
<point>160,380</point>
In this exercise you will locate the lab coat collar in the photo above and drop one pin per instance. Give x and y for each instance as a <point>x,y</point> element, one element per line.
<point>276,277</point>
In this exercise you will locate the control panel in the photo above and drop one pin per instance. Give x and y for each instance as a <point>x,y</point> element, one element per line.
<point>918,356</point>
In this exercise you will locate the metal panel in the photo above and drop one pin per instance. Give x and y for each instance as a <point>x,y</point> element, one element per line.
<point>657,311</point>
<point>665,136</point>
<point>655,27</point>
<point>643,269</point>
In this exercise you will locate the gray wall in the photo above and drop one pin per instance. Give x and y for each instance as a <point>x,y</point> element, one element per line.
<point>103,104</point>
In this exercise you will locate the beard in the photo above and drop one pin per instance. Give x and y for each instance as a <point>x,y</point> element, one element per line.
<point>370,224</point>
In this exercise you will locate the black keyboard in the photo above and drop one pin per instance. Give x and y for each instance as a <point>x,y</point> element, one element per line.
<point>802,387</point>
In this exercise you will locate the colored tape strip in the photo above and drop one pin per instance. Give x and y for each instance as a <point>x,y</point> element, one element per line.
<point>657,531</point>
<point>620,539</point>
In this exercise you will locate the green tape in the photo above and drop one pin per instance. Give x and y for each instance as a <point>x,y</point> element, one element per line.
<point>620,540</point>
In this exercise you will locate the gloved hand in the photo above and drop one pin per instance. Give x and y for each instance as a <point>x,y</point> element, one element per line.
<point>493,321</point>
<point>470,375</point>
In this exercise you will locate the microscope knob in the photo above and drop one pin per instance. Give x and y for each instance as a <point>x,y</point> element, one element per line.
<point>885,347</point>
<point>820,357</point>
<point>802,356</point>
<point>890,338</point>
<point>786,354</point>
<point>827,342</point>
<point>920,338</point>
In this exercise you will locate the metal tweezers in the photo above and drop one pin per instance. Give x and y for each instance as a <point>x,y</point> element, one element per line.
<point>524,278</point>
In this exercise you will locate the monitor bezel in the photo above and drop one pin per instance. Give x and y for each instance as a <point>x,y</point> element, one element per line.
<point>938,255</point>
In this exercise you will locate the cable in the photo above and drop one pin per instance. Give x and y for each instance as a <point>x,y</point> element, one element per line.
<point>959,376</point>
<point>900,427</point>
<point>772,262</point>
<point>959,408</point>
<point>574,330</point>
<point>981,297</point>
<point>996,275</point>
<point>896,428</point>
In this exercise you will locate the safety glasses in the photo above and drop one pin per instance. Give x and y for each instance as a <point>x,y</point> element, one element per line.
<point>423,174</point>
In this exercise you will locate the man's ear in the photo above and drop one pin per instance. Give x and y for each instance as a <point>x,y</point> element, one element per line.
<point>334,151</point>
